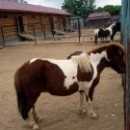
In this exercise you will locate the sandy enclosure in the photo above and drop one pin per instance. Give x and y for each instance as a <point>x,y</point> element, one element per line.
<point>59,113</point>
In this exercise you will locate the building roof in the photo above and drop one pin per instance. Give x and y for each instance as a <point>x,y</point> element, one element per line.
<point>24,7</point>
<point>102,15</point>
<point>116,18</point>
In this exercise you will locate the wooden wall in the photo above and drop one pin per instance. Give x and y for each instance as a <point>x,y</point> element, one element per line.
<point>7,20</point>
<point>20,23</point>
<point>32,19</point>
<point>46,25</point>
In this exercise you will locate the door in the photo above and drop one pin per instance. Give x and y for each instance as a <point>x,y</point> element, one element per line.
<point>20,25</point>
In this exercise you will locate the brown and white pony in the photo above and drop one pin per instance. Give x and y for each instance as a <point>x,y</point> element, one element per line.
<point>64,77</point>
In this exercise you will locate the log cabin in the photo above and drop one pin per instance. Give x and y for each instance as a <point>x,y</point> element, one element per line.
<point>18,19</point>
<point>98,19</point>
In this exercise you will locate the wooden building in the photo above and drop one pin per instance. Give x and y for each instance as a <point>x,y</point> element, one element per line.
<point>21,18</point>
<point>98,19</point>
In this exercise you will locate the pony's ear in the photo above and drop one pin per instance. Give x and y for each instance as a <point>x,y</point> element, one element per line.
<point>113,48</point>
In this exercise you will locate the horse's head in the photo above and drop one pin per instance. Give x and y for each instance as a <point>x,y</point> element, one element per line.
<point>116,57</point>
<point>115,28</point>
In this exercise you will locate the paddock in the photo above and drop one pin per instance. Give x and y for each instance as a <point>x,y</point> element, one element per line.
<point>59,112</point>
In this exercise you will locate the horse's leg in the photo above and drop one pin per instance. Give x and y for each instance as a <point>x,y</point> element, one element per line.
<point>91,112</point>
<point>36,117</point>
<point>113,34</point>
<point>31,121</point>
<point>96,39</point>
<point>81,99</point>
<point>100,41</point>
<point>89,98</point>
<point>31,100</point>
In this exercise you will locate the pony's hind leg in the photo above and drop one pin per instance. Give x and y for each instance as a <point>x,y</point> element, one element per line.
<point>31,121</point>
<point>36,117</point>
<point>81,99</point>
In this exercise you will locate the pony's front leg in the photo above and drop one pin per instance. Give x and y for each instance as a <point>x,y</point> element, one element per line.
<point>81,99</point>
<point>31,121</point>
<point>90,111</point>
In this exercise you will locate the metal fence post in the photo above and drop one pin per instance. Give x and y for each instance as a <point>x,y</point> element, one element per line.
<point>3,38</point>
<point>34,34</point>
<point>44,33</point>
<point>79,30</point>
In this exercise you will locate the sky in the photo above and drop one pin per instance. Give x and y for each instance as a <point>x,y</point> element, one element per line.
<point>58,3</point>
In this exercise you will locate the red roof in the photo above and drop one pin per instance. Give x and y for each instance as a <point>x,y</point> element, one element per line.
<point>15,6</point>
<point>102,15</point>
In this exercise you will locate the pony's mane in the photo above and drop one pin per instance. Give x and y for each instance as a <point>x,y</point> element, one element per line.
<point>108,45</point>
<point>113,24</point>
<point>83,61</point>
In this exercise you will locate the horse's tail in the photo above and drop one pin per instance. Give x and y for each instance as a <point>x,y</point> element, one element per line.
<point>21,97</point>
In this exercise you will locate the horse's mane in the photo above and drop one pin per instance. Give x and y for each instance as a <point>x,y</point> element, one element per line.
<point>111,26</point>
<point>108,45</point>
<point>83,61</point>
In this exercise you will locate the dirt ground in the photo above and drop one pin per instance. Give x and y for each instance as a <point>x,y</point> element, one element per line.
<point>59,113</point>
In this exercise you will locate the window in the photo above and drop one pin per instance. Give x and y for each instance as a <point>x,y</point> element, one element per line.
<point>3,16</point>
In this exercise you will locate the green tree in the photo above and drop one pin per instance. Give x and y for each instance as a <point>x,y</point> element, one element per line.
<point>91,5</point>
<point>68,6</point>
<point>113,10</point>
<point>80,8</point>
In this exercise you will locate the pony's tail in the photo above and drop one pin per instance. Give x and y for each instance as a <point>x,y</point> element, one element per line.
<point>21,97</point>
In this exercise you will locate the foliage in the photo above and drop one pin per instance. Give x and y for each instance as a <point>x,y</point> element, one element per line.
<point>113,10</point>
<point>80,8</point>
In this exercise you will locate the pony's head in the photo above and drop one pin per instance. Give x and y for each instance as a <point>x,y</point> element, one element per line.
<point>115,28</point>
<point>116,57</point>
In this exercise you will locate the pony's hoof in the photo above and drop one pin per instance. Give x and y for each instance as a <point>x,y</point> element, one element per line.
<point>35,127</point>
<point>81,111</point>
<point>39,119</point>
<point>92,115</point>
<point>32,125</point>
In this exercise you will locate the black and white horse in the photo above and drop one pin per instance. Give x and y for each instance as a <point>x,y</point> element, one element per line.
<point>110,31</point>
